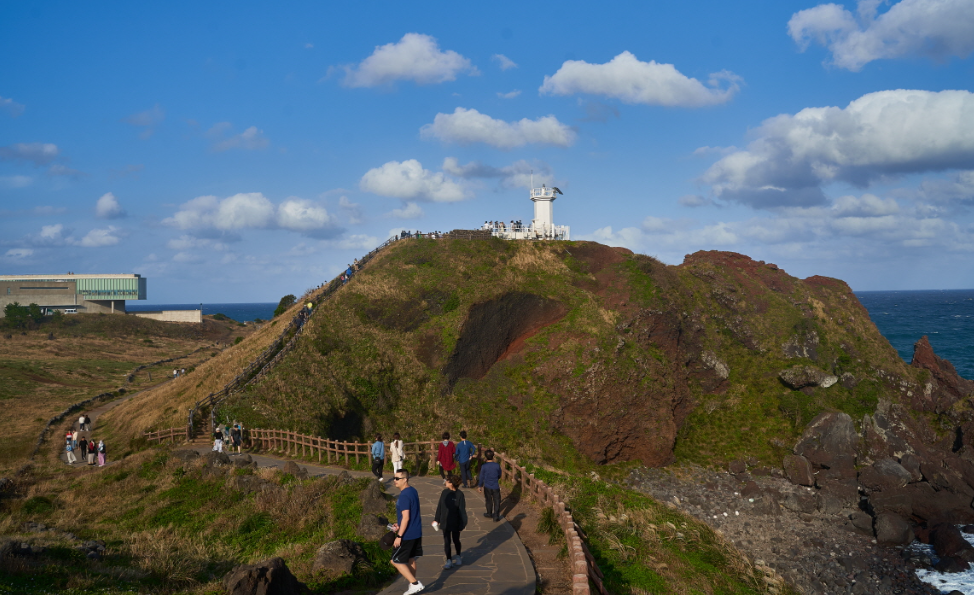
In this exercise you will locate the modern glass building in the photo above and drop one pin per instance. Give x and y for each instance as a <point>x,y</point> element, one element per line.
<point>72,293</point>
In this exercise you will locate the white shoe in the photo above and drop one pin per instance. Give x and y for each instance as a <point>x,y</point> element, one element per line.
<point>414,588</point>
<point>457,561</point>
<point>448,565</point>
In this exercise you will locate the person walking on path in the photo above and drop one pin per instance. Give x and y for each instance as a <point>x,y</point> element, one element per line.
<point>489,483</point>
<point>88,420</point>
<point>102,453</point>
<point>81,422</point>
<point>451,515</point>
<point>378,457</point>
<point>409,532</point>
<point>82,449</point>
<point>236,437</point>
<point>70,450</point>
<point>465,451</point>
<point>446,456</point>
<point>397,451</point>
<point>218,440</point>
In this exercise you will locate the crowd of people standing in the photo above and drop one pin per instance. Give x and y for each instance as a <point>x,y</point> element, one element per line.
<point>79,449</point>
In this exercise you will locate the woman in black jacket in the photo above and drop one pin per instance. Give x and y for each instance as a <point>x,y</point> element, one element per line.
<point>451,516</point>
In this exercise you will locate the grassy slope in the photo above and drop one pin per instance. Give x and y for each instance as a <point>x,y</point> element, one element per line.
<point>90,354</point>
<point>170,528</point>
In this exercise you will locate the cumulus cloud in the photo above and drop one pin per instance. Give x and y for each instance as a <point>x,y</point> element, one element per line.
<point>466,126</point>
<point>410,210</point>
<point>409,181</point>
<point>517,175</point>
<point>626,78</point>
<point>98,238</point>
<point>415,57</point>
<point>936,29</point>
<point>252,211</point>
<point>10,106</point>
<point>880,134</point>
<point>503,62</point>
<point>694,200</point>
<point>955,188</point>
<point>352,242</point>
<point>15,181</point>
<point>867,205</point>
<point>107,207</point>
<point>36,153</point>
<point>250,139</point>
<point>509,94</point>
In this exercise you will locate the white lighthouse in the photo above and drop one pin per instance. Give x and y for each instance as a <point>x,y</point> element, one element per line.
<point>542,227</point>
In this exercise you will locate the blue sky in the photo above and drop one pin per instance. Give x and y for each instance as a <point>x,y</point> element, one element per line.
<point>235,152</point>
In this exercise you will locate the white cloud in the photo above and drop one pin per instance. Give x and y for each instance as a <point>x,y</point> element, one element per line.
<point>878,135</point>
<point>15,181</point>
<point>187,258</point>
<point>252,211</point>
<point>298,214</point>
<point>933,28</point>
<point>958,187</point>
<point>470,126</point>
<point>353,242</point>
<point>52,235</point>
<point>632,81</point>
<point>98,238</point>
<point>11,107</point>
<point>18,253</point>
<point>867,205</point>
<point>309,46</point>
<point>503,61</point>
<point>410,210</point>
<point>36,153</point>
<point>250,139</point>
<point>517,175</point>
<point>694,200</point>
<point>509,94</point>
<point>107,207</point>
<point>415,57</point>
<point>351,209</point>
<point>408,180</point>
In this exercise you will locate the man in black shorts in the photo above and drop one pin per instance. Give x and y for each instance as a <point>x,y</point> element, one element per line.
<point>409,532</point>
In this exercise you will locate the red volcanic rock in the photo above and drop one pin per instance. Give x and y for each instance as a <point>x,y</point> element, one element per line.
<point>946,386</point>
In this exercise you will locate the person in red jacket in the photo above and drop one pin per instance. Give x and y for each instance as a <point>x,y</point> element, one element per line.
<point>446,456</point>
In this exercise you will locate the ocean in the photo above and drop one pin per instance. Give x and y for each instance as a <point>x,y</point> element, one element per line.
<point>946,317</point>
<point>240,312</point>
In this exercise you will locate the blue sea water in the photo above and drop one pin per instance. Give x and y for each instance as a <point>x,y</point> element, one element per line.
<point>946,317</point>
<point>239,312</point>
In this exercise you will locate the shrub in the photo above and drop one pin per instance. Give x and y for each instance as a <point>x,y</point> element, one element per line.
<point>220,316</point>
<point>285,303</point>
<point>237,340</point>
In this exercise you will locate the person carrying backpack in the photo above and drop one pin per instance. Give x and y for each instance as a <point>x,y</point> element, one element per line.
<point>102,453</point>
<point>465,452</point>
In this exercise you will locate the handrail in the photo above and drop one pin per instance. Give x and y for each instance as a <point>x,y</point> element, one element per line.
<point>169,433</point>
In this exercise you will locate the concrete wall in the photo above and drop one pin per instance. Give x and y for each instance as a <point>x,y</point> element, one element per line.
<point>42,293</point>
<point>172,315</point>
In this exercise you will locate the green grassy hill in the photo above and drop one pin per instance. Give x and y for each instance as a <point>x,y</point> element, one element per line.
<point>574,353</point>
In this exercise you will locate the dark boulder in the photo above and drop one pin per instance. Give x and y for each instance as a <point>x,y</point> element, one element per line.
<point>843,467</point>
<point>798,470</point>
<point>373,500</point>
<point>216,459</point>
<point>951,565</point>
<point>299,472</point>
<point>931,505</point>
<point>798,377</point>
<point>827,437</point>
<point>837,495</point>
<point>185,455</point>
<point>336,558</point>
<point>894,502</point>
<point>862,522</point>
<point>911,463</point>
<point>799,502</point>
<point>891,529</point>
<point>801,345</point>
<point>270,577</point>
<point>372,527</point>
<point>884,475</point>
<point>244,461</point>
<point>947,541</point>
<point>737,467</point>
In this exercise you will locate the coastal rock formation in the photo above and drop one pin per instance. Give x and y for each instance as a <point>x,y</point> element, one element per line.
<point>338,557</point>
<point>802,376</point>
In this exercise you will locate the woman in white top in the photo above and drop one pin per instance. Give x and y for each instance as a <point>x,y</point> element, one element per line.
<point>397,451</point>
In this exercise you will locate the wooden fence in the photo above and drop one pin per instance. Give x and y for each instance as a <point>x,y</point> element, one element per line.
<point>583,566</point>
<point>168,434</point>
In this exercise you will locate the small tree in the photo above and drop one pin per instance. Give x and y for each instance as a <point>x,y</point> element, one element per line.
<point>15,315</point>
<point>35,313</point>
<point>285,303</point>
<point>57,318</point>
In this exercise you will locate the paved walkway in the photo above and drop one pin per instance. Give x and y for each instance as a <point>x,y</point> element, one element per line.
<point>494,560</point>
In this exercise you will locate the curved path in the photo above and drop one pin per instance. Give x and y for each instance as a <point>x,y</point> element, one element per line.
<point>494,560</point>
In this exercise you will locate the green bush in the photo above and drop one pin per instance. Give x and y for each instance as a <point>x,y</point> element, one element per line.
<point>237,340</point>
<point>285,303</point>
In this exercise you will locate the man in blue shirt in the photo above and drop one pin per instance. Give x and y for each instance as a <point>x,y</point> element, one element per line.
<point>409,532</point>
<point>465,450</point>
<point>378,456</point>
<point>489,483</point>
